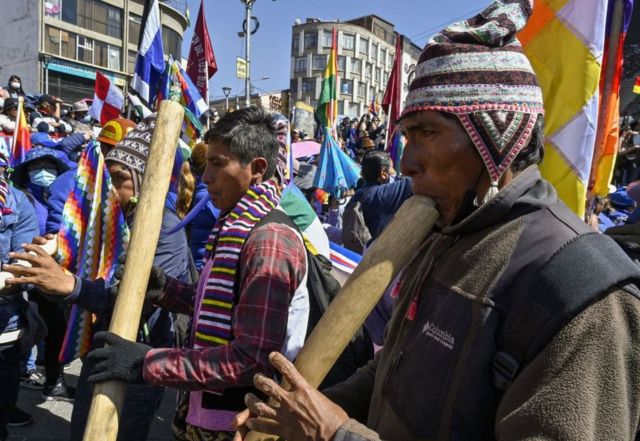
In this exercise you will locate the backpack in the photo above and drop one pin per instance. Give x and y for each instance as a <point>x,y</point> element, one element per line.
<point>323,288</point>
<point>355,233</point>
<point>553,296</point>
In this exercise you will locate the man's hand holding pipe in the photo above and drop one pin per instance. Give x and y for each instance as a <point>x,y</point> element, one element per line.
<point>302,413</point>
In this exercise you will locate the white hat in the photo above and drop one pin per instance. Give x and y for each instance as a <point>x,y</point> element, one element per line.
<point>80,106</point>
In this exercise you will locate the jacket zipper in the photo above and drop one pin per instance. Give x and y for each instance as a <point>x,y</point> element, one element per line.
<point>406,324</point>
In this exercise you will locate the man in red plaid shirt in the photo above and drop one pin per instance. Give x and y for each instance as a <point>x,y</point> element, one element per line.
<point>251,298</point>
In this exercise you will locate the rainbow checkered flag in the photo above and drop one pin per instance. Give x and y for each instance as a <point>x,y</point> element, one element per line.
<point>93,235</point>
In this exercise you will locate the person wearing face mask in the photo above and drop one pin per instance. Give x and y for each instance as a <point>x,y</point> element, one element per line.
<point>34,176</point>
<point>79,118</point>
<point>14,87</point>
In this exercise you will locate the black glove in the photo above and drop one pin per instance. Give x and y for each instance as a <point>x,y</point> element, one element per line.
<point>121,360</point>
<point>155,287</point>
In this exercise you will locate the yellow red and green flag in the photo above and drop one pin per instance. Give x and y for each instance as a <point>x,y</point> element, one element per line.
<point>327,111</point>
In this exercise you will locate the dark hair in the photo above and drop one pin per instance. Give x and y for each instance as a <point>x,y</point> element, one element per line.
<point>533,153</point>
<point>248,133</point>
<point>372,163</point>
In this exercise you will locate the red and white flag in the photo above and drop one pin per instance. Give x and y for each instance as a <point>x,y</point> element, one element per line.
<point>107,100</point>
<point>202,61</point>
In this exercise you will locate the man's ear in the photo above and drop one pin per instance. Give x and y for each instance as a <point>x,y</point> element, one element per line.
<point>258,169</point>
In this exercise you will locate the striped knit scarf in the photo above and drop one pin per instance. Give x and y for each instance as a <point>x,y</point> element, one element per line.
<point>213,325</point>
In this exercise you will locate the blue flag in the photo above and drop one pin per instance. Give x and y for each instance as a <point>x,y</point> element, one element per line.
<point>150,60</point>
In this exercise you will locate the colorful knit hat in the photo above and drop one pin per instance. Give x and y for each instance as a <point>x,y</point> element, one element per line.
<point>133,150</point>
<point>476,69</point>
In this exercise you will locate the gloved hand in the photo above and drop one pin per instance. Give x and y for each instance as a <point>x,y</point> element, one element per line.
<point>155,287</point>
<point>121,360</point>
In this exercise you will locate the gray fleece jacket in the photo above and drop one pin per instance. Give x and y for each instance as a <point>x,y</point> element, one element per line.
<point>433,378</point>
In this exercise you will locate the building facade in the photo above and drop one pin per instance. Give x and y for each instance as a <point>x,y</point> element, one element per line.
<point>366,50</point>
<point>56,46</point>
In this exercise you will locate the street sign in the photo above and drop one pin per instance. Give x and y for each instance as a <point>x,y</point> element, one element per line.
<point>241,67</point>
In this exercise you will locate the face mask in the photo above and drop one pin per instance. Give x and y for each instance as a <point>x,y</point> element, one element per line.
<point>15,84</point>
<point>43,177</point>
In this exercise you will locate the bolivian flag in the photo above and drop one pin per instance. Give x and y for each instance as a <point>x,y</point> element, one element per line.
<point>327,110</point>
<point>636,87</point>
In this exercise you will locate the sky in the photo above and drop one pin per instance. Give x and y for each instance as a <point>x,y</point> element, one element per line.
<point>271,45</point>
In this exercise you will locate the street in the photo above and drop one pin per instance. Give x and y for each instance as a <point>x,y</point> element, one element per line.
<point>51,418</point>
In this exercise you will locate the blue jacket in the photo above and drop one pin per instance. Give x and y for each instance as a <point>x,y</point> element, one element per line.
<point>36,195</point>
<point>380,202</point>
<point>58,194</point>
<point>201,225</point>
<point>172,255</point>
<point>15,229</point>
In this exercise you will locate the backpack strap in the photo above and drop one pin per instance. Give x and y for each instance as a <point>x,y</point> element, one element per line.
<point>279,217</point>
<point>579,274</point>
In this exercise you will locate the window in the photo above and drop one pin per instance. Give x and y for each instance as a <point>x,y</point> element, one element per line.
<point>389,59</point>
<point>319,62</point>
<point>367,70</point>
<point>131,60</point>
<point>346,87</point>
<point>310,40</point>
<point>100,17</point>
<point>354,109</point>
<point>70,11</point>
<point>296,43</point>
<point>385,79</point>
<point>342,63</point>
<point>327,39</point>
<point>356,66</point>
<point>348,41</point>
<point>301,64</point>
<point>374,51</point>
<point>309,85</point>
<point>378,74</point>
<point>340,107</point>
<point>52,40</point>
<point>114,58</point>
<point>101,53</point>
<point>293,87</point>
<point>134,28</point>
<point>372,93</point>
<point>85,49</point>
<point>362,90</point>
<point>171,42</point>
<point>68,45</point>
<point>364,46</point>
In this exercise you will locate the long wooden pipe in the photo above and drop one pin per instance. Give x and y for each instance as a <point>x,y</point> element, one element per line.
<point>381,264</point>
<point>108,397</point>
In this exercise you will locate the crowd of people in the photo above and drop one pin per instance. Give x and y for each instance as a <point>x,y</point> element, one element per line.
<point>513,320</point>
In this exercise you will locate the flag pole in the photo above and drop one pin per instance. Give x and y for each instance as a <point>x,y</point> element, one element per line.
<point>15,131</point>
<point>605,114</point>
<point>206,91</point>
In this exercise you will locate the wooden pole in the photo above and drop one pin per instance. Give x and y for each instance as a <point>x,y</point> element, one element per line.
<point>108,397</point>
<point>390,253</point>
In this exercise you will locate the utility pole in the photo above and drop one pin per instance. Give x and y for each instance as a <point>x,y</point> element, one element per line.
<point>248,5</point>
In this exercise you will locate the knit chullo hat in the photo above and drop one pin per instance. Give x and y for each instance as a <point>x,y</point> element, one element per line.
<point>133,150</point>
<point>476,69</point>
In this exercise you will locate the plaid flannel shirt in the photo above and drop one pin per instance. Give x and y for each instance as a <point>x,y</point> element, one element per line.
<point>272,266</point>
